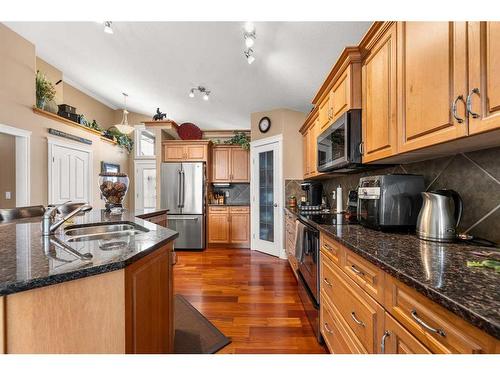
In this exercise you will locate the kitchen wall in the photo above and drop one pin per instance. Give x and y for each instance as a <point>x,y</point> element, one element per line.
<point>7,170</point>
<point>474,175</point>
<point>286,122</point>
<point>17,96</point>
<point>238,193</point>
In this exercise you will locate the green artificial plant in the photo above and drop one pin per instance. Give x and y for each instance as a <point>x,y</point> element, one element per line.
<point>240,138</point>
<point>45,90</point>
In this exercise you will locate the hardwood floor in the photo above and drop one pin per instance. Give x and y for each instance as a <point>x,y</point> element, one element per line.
<point>251,297</point>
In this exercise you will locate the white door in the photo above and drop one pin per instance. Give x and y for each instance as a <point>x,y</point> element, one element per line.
<point>267,197</point>
<point>145,184</point>
<point>69,174</point>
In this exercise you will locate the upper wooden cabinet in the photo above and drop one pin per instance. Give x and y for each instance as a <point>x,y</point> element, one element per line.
<point>484,76</point>
<point>341,90</point>
<point>310,131</point>
<point>379,121</point>
<point>230,164</point>
<point>431,76</point>
<point>178,151</point>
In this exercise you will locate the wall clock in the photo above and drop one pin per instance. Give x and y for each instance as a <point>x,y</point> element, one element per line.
<point>264,124</point>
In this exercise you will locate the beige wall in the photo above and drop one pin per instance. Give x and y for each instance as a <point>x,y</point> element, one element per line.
<point>17,95</point>
<point>286,122</point>
<point>7,170</point>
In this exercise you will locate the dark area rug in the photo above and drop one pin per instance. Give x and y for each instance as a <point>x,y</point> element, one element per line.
<point>194,334</point>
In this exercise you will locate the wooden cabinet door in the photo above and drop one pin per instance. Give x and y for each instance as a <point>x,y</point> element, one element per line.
<point>397,340</point>
<point>196,152</point>
<point>240,165</point>
<point>431,75</point>
<point>312,147</point>
<point>307,153</point>
<point>240,228</point>
<point>379,124</point>
<point>484,76</point>
<point>325,112</point>
<point>149,303</point>
<point>218,228</point>
<point>340,96</point>
<point>221,164</point>
<point>174,152</point>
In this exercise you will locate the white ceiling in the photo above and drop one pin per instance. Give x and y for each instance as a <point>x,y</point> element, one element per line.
<point>157,63</point>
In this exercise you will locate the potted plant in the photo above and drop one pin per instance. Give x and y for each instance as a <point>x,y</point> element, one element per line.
<point>45,90</point>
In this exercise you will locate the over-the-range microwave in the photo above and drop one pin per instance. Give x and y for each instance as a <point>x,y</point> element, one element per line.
<point>339,146</point>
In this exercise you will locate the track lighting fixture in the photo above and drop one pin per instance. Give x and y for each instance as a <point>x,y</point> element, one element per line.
<point>202,90</point>
<point>249,39</point>
<point>249,56</point>
<point>249,27</point>
<point>107,27</point>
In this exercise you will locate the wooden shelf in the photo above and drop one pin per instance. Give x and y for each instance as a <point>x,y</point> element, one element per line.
<point>65,121</point>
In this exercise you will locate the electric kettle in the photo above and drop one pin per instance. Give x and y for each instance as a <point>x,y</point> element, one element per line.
<point>439,216</point>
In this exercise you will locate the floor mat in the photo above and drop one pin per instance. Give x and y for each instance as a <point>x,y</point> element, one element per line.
<point>194,334</point>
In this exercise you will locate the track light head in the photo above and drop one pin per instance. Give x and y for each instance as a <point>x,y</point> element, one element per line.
<point>107,27</point>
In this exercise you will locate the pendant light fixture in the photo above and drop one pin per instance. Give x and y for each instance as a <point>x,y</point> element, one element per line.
<point>124,127</point>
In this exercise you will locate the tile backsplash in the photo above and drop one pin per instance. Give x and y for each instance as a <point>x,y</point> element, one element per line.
<point>238,193</point>
<point>474,175</point>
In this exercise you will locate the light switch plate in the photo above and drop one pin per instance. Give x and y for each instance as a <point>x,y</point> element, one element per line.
<point>8,195</point>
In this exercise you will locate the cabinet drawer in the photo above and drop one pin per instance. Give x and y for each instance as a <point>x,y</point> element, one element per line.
<point>326,276</point>
<point>331,248</point>
<point>397,340</point>
<point>243,209</point>
<point>365,274</point>
<point>332,331</point>
<point>218,209</point>
<point>363,315</point>
<point>437,328</point>
<point>160,219</point>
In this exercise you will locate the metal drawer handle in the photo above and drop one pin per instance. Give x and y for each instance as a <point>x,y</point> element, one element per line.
<point>454,108</point>
<point>325,280</point>
<point>439,331</point>
<point>327,247</point>
<point>469,103</point>
<point>327,328</point>
<point>356,270</point>
<point>353,316</point>
<point>382,344</point>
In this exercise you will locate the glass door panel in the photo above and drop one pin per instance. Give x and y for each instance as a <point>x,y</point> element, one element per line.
<point>266,196</point>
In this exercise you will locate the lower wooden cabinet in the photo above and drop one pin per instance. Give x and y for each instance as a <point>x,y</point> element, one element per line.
<point>290,241</point>
<point>397,340</point>
<point>377,313</point>
<point>229,226</point>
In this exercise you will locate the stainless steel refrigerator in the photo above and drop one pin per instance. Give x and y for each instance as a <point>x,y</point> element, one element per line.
<point>183,193</point>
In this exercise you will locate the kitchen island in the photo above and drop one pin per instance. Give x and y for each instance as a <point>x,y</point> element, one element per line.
<point>110,294</point>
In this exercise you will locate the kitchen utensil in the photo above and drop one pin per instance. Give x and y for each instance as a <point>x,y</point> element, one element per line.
<point>440,215</point>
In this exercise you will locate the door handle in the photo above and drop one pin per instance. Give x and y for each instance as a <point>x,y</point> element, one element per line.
<point>382,344</point>
<point>275,205</point>
<point>469,102</point>
<point>179,188</point>
<point>182,218</point>
<point>454,108</point>
<point>183,178</point>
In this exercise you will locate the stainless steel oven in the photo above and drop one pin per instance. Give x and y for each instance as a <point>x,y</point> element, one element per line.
<point>309,277</point>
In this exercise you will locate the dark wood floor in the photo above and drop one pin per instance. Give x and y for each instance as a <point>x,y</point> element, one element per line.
<point>251,297</point>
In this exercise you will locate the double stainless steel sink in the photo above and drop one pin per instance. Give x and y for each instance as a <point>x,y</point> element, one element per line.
<point>102,231</point>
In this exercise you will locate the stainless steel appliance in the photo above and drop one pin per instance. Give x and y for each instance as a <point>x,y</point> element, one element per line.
<point>440,215</point>
<point>308,273</point>
<point>339,146</point>
<point>183,194</point>
<point>391,201</point>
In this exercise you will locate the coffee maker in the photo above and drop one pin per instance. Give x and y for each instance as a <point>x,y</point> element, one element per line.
<point>314,193</point>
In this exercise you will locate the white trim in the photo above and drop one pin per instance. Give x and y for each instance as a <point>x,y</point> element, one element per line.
<point>138,129</point>
<point>23,173</point>
<point>278,139</point>
<point>53,141</point>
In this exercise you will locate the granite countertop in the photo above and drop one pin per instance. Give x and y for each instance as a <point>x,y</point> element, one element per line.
<point>26,262</point>
<point>437,270</point>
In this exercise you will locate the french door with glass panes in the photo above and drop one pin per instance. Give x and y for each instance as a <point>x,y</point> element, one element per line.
<point>266,197</point>
<point>145,184</point>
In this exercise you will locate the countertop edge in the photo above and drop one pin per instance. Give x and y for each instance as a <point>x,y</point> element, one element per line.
<point>454,307</point>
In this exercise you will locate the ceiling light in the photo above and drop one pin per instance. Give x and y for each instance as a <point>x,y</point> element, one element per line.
<point>249,27</point>
<point>202,90</point>
<point>191,93</point>
<point>124,127</point>
<point>249,56</point>
<point>205,96</point>
<point>249,39</point>
<point>107,27</point>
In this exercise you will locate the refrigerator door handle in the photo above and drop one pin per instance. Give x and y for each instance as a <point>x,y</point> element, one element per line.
<point>179,188</point>
<point>183,218</point>
<point>183,199</point>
